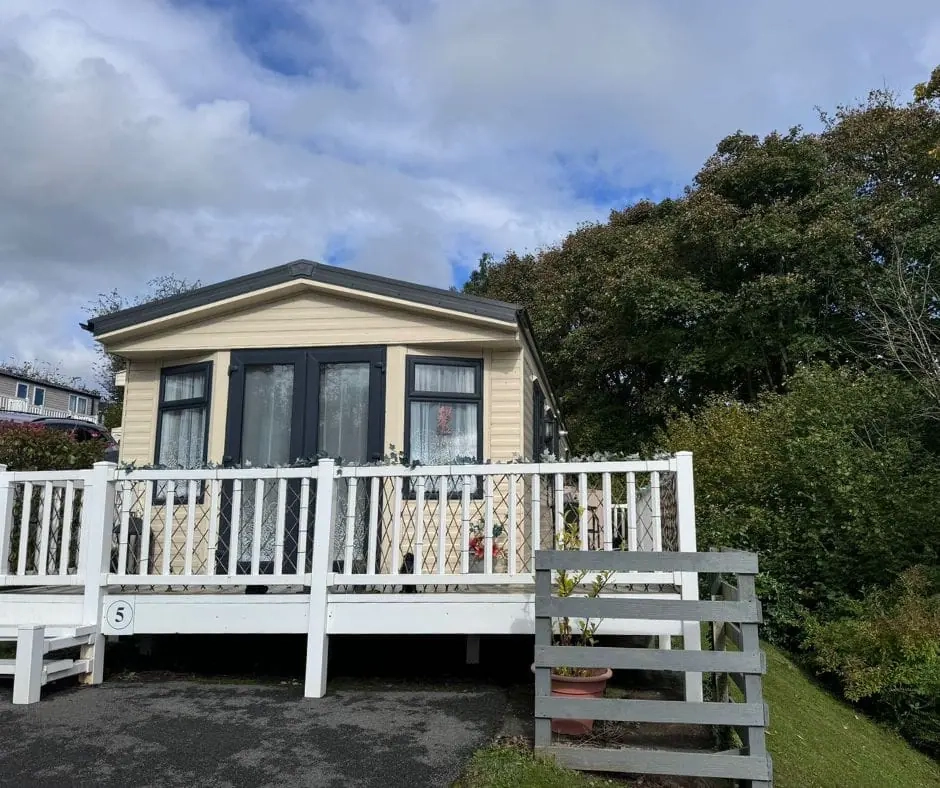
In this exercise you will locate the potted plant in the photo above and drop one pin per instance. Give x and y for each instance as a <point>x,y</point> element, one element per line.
<point>477,545</point>
<point>572,682</point>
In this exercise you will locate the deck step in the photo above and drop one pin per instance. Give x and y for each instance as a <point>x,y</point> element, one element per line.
<point>8,632</point>
<point>31,669</point>
<point>55,669</point>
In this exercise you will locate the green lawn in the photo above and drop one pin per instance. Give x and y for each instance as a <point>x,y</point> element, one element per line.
<point>816,742</point>
<point>509,767</point>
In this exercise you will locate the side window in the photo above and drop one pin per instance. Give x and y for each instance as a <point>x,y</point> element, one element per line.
<point>445,410</point>
<point>538,429</point>
<point>182,418</point>
<point>544,425</point>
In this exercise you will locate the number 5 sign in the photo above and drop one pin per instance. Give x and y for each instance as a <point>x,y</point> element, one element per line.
<point>119,617</point>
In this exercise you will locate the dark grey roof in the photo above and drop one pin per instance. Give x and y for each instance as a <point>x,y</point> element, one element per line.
<point>315,272</point>
<point>10,373</point>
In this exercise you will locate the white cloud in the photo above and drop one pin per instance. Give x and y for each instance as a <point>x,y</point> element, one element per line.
<point>144,137</point>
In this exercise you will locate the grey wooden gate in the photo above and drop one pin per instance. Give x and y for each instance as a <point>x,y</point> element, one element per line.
<point>736,619</point>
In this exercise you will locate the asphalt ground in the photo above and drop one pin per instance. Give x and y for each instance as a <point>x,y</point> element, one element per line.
<point>170,732</point>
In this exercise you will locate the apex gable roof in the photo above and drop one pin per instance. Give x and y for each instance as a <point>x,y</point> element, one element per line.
<point>314,272</point>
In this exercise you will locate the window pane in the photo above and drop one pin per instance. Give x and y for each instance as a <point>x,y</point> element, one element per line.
<point>185,385</point>
<point>442,433</point>
<point>266,440</point>
<point>39,396</point>
<point>22,391</point>
<point>445,378</point>
<point>344,411</point>
<point>78,404</point>
<point>266,419</point>
<point>182,438</point>
<point>344,432</point>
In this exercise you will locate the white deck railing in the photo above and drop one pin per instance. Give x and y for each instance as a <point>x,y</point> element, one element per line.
<point>16,405</point>
<point>330,530</point>
<point>389,526</point>
<point>40,527</point>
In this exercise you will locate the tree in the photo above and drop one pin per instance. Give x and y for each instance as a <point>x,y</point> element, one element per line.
<point>902,325</point>
<point>165,286</point>
<point>834,483</point>
<point>42,370</point>
<point>930,91</point>
<point>763,265</point>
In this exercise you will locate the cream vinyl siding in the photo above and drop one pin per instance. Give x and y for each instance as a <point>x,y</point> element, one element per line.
<point>142,398</point>
<point>312,319</point>
<point>503,415</point>
<point>308,318</point>
<point>528,414</point>
<point>139,424</point>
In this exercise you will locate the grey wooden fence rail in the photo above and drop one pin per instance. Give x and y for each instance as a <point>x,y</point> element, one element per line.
<point>736,616</point>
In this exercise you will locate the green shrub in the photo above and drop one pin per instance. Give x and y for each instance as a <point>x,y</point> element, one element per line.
<point>113,413</point>
<point>837,486</point>
<point>833,484</point>
<point>32,447</point>
<point>885,652</point>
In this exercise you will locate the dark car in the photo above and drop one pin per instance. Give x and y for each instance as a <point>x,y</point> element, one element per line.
<point>81,430</point>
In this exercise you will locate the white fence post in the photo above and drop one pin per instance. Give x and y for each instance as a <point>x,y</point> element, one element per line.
<point>6,518</point>
<point>685,516</point>
<point>95,546</point>
<point>321,566</point>
<point>27,675</point>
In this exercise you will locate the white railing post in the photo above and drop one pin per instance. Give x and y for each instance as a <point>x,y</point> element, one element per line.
<point>685,521</point>
<point>95,546</point>
<point>27,672</point>
<point>6,518</point>
<point>321,566</point>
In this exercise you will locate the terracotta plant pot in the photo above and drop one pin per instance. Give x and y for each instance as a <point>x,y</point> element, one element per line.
<point>578,687</point>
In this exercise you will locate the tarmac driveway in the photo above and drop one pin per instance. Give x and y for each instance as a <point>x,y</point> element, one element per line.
<point>181,733</point>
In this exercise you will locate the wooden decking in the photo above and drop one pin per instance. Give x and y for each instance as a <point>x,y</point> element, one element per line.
<point>276,590</point>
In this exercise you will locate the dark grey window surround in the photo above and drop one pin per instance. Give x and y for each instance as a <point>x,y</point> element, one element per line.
<point>538,421</point>
<point>204,401</point>
<point>412,395</point>
<point>307,363</point>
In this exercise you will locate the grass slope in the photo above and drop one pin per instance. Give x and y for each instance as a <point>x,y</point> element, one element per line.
<point>819,742</point>
<point>816,742</point>
<point>511,767</point>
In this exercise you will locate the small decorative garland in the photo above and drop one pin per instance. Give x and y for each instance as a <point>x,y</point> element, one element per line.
<point>394,457</point>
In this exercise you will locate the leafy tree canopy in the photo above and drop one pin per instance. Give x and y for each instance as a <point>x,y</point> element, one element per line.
<point>164,286</point>
<point>766,263</point>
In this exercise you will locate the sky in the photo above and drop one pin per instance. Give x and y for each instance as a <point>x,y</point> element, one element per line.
<point>210,138</point>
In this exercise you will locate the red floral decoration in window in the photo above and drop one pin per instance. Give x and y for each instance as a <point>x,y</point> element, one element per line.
<point>445,420</point>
